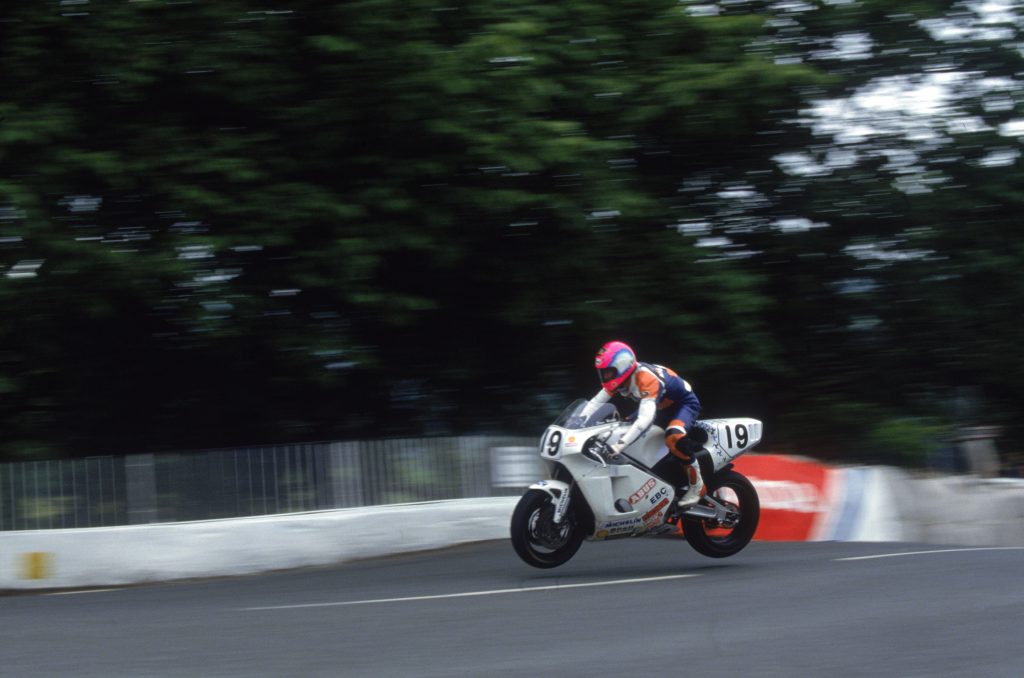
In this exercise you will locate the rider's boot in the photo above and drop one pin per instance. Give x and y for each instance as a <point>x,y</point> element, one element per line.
<point>696,490</point>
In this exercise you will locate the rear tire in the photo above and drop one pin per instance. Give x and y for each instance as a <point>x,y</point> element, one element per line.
<point>720,540</point>
<point>536,538</point>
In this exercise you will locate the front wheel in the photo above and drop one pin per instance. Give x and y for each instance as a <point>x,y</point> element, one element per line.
<point>536,537</point>
<point>722,539</point>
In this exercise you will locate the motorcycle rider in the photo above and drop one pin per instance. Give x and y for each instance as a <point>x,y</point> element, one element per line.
<point>665,398</point>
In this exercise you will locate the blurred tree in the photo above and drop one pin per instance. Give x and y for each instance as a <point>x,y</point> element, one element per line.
<point>889,227</point>
<point>223,224</point>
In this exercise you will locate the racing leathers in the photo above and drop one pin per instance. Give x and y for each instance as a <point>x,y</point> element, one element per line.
<point>665,399</point>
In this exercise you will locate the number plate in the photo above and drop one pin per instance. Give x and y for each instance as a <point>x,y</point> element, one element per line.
<point>551,443</point>
<point>728,438</point>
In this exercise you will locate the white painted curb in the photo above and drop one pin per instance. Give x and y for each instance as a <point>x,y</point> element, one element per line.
<point>110,556</point>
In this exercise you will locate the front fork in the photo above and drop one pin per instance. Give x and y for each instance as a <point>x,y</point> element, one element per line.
<point>559,492</point>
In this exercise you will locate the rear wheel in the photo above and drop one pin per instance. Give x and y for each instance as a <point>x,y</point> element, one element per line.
<point>720,539</point>
<point>536,537</point>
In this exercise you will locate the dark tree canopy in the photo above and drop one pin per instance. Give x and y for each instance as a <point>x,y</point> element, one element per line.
<point>233,222</point>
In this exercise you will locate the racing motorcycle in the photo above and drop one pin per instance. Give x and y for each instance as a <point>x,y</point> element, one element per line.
<point>590,495</point>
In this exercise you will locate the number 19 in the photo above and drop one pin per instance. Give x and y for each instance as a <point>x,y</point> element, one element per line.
<point>742,437</point>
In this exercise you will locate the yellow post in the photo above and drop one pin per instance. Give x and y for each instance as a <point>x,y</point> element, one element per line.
<point>36,565</point>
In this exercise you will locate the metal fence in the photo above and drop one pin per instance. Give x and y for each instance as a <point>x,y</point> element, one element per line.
<point>148,488</point>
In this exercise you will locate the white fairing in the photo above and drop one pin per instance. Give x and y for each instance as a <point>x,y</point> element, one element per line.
<point>650,447</point>
<point>645,497</point>
<point>729,438</point>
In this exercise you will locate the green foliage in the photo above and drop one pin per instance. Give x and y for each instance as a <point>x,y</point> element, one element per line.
<point>223,224</point>
<point>905,441</point>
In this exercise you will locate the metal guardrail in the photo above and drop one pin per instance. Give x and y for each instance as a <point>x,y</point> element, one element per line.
<point>149,488</point>
<point>62,494</point>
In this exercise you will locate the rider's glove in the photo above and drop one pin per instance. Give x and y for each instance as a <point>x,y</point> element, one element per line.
<point>615,449</point>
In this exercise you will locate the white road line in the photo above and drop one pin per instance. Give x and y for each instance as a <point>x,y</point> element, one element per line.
<point>76,593</point>
<point>496,592</point>
<point>926,553</point>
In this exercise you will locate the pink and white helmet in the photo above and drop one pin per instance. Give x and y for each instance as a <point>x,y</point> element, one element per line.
<point>614,362</point>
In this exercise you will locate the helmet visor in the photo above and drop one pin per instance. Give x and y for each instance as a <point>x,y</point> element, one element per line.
<point>607,374</point>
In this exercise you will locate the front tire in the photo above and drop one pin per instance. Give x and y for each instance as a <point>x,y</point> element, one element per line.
<point>536,538</point>
<point>720,540</point>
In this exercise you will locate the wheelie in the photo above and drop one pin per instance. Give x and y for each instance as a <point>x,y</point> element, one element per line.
<point>609,478</point>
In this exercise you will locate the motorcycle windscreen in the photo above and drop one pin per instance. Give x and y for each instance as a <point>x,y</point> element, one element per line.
<point>570,417</point>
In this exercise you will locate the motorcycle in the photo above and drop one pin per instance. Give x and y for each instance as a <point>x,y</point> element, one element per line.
<point>590,495</point>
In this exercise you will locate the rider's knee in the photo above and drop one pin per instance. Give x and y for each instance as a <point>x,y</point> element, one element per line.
<point>675,440</point>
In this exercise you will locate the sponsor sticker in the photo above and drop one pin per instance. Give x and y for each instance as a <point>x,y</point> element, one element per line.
<point>656,510</point>
<point>663,492</point>
<point>627,522</point>
<point>625,526</point>
<point>643,491</point>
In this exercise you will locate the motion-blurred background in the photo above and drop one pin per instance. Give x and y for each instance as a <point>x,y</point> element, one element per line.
<point>253,222</point>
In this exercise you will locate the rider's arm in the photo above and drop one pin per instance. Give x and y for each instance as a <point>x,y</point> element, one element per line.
<point>600,399</point>
<point>644,418</point>
<point>647,388</point>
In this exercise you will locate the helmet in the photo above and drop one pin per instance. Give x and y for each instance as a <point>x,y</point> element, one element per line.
<point>614,362</point>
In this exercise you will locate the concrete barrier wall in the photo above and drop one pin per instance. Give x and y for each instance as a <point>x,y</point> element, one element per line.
<point>854,504</point>
<point>802,499</point>
<point>888,504</point>
<point>111,556</point>
<point>959,509</point>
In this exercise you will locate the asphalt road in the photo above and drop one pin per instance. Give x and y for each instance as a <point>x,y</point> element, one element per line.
<point>638,608</point>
